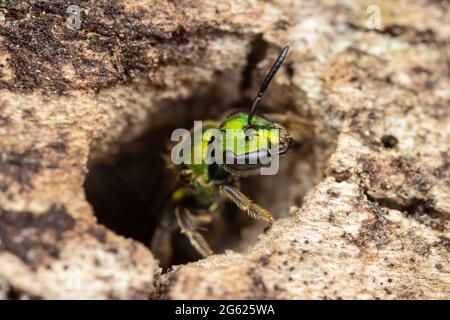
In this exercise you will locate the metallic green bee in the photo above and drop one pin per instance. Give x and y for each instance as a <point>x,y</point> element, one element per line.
<point>201,185</point>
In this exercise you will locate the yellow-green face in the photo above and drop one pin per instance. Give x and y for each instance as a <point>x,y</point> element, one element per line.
<point>235,146</point>
<point>261,134</point>
<point>251,146</point>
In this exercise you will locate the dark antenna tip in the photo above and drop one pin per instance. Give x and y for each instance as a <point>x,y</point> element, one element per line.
<point>266,82</point>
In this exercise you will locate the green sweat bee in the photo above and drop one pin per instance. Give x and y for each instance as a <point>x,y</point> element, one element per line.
<point>203,183</point>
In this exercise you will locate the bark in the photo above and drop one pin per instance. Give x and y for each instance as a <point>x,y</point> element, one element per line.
<point>374,221</point>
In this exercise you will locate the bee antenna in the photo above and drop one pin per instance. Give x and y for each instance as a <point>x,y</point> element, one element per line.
<point>266,82</point>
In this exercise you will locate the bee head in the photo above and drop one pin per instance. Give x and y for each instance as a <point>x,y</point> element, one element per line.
<point>247,148</point>
<point>250,141</point>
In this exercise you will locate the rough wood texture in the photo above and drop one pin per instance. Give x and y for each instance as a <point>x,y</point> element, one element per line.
<point>375,225</point>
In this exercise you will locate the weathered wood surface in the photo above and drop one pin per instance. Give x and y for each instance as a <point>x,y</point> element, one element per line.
<point>375,226</point>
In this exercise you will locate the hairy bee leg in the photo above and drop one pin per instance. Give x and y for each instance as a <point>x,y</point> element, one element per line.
<point>190,230</point>
<point>245,204</point>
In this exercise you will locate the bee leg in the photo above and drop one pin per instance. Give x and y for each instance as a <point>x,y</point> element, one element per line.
<point>190,230</point>
<point>299,127</point>
<point>161,244</point>
<point>245,204</point>
<point>203,218</point>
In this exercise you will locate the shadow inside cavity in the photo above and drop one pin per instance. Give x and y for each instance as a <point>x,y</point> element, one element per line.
<point>128,191</point>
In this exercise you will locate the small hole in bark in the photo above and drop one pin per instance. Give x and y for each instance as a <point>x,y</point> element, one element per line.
<point>128,194</point>
<point>128,191</point>
<point>389,141</point>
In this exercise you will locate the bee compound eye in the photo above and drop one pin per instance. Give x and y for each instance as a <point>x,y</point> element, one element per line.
<point>250,160</point>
